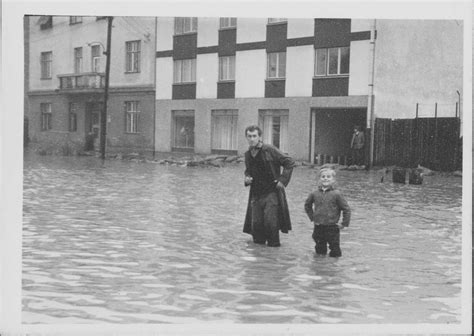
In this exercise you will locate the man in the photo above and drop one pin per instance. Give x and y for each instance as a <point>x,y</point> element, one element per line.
<point>267,210</point>
<point>357,146</point>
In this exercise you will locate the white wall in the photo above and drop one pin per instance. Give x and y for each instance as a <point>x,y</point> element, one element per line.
<point>251,29</point>
<point>164,33</point>
<point>299,71</point>
<point>300,28</point>
<point>250,73</point>
<point>360,25</point>
<point>164,77</point>
<point>359,68</point>
<point>417,61</point>
<point>208,32</point>
<point>206,76</point>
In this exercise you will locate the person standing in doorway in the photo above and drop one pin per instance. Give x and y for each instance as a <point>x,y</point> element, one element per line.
<point>267,172</point>
<point>357,146</point>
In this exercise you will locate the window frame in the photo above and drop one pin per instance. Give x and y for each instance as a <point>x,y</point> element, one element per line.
<point>326,52</point>
<point>78,60</point>
<point>227,22</point>
<point>234,115</point>
<point>275,113</point>
<point>277,20</point>
<point>72,117</point>
<point>180,25</point>
<point>46,65</point>
<point>132,57</point>
<point>75,20</point>
<point>278,60</point>
<point>182,115</point>
<point>181,65</point>
<point>229,69</point>
<point>132,116</point>
<point>48,22</point>
<point>46,110</point>
<point>96,59</point>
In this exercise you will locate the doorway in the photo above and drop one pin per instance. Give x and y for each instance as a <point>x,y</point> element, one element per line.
<point>331,133</point>
<point>92,125</point>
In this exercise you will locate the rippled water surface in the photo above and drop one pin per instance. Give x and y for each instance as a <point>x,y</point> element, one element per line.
<point>126,242</point>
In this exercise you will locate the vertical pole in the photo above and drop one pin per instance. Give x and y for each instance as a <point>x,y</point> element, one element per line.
<point>436,136</point>
<point>370,102</point>
<point>103,117</point>
<point>313,135</point>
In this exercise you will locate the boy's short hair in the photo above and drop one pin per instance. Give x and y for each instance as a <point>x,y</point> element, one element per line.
<point>252,128</point>
<point>327,169</point>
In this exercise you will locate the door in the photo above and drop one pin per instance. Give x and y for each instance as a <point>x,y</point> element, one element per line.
<point>92,125</point>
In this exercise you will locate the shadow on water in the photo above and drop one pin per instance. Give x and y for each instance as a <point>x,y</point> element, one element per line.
<point>126,242</point>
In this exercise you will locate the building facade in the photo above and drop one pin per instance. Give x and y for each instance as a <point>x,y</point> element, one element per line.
<point>66,78</point>
<point>306,82</point>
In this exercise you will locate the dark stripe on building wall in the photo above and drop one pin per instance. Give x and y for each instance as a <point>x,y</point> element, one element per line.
<point>275,88</point>
<point>328,87</point>
<point>226,90</point>
<point>251,46</point>
<point>300,41</point>
<point>276,37</point>
<point>164,53</point>
<point>360,36</point>
<point>332,33</point>
<point>207,50</point>
<point>184,46</point>
<point>227,42</point>
<point>184,91</point>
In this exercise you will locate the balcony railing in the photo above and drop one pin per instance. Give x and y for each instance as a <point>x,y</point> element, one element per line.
<point>83,81</point>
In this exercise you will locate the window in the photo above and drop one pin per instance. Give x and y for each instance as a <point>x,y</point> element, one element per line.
<point>185,71</point>
<point>46,62</point>
<point>72,117</point>
<point>224,130</point>
<point>228,22</point>
<point>183,25</point>
<point>331,61</point>
<point>95,61</point>
<point>46,116</point>
<point>274,125</point>
<point>132,58</point>
<point>45,22</point>
<point>276,20</point>
<point>183,130</point>
<point>78,60</point>
<point>227,68</point>
<point>132,114</point>
<point>75,19</point>
<point>276,65</point>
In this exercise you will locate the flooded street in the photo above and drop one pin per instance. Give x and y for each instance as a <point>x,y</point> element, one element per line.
<point>127,242</point>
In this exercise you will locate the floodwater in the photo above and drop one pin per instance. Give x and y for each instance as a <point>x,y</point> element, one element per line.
<point>126,242</point>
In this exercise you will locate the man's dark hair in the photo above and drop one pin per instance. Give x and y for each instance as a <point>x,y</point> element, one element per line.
<point>253,128</point>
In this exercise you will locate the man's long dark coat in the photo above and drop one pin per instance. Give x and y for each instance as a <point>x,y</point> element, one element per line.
<point>273,160</point>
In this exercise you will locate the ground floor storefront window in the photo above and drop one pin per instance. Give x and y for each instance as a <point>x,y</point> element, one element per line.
<point>224,130</point>
<point>183,130</point>
<point>274,124</point>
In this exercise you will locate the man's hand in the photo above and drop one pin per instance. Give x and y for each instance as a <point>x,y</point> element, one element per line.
<point>280,185</point>
<point>340,226</point>
<point>248,180</point>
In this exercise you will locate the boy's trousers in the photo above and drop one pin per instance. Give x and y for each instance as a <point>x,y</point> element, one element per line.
<point>324,235</point>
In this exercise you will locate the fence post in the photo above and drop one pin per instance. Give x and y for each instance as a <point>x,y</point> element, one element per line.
<point>436,138</point>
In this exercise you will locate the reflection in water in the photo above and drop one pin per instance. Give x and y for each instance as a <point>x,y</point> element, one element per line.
<point>125,242</point>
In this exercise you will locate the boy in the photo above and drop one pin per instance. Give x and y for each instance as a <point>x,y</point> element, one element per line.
<point>323,208</point>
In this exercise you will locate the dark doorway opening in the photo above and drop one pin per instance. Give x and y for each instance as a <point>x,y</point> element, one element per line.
<point>333,129</point>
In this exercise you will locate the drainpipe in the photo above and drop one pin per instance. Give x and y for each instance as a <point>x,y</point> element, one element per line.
<point>370,103</point>
<point>154,86</point>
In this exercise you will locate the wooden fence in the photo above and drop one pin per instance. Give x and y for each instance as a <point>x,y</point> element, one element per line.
<point>434,143</point>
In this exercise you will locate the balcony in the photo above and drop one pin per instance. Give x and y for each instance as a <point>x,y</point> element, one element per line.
<point>82,82</point>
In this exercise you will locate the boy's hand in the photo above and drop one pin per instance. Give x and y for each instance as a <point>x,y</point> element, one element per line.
<point>248,180</point>
<point>316,224</point>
